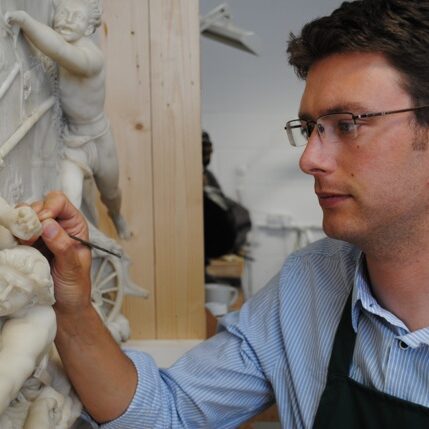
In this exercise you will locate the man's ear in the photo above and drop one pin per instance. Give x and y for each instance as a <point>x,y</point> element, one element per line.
<point>89,30</point>
<point>421,138</point>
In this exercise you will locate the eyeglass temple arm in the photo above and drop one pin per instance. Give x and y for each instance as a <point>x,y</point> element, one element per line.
<point>389,112</point>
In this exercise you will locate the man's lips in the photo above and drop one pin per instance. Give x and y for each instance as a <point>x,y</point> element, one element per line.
<point>331,199</point>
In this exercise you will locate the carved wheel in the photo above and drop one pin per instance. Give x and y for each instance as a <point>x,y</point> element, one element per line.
<point>107,286</point>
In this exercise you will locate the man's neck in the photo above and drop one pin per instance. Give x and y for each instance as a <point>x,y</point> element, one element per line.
<point>400,283</point>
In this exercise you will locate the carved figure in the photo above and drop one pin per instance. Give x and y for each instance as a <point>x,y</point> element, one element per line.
<point>90,148</point>
<point>28,328</point>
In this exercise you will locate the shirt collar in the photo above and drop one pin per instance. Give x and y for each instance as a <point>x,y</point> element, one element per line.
<point>364,300</point>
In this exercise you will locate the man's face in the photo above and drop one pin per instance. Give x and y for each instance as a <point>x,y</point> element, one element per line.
<point>375,188</point>
<point>72,19</point>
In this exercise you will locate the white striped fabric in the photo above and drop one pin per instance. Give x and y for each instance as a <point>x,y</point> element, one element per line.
<point>277,349</point>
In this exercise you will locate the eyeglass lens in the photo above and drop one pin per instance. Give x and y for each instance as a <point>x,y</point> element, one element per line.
<point>336,127</point>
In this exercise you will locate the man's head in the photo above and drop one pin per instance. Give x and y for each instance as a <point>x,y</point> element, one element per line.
<point>369,56</point>
<point>398,29</point>
<point>76,18</point>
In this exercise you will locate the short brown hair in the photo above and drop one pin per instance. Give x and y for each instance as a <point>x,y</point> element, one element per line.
<point>398,29</point>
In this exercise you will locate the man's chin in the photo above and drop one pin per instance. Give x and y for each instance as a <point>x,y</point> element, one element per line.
<point>339,232</point>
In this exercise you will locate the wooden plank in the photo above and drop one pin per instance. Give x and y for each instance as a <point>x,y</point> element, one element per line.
<point>125,42</point>
<point>177,168</point>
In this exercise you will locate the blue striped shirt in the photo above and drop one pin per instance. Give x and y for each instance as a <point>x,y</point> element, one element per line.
<point>277,349</point>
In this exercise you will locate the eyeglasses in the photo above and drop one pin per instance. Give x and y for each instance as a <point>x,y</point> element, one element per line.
<point>333,127</point>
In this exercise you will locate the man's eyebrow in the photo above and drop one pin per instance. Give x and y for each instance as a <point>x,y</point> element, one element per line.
<point>305,116</point>
<point>355,108</point>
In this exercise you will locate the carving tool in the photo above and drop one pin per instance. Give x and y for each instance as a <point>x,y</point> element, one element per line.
<point>95,246</point>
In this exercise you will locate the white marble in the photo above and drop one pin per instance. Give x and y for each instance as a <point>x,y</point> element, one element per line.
<point>54,134</point>
<point>89,146</point>
<point>27,330</point>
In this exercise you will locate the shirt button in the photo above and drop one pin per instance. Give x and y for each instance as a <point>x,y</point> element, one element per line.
<point>403,346</point>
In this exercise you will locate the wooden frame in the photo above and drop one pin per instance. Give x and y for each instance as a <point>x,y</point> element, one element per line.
<point>153,102</point>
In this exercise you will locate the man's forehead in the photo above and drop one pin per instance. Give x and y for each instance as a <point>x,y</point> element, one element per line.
<point>351,82</point>
<point>340,107</point>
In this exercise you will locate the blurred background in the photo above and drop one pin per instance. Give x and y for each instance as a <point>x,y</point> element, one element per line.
<point>246,101</point>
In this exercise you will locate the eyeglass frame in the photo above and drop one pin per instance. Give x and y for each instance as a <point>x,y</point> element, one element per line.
<point>353,116</point>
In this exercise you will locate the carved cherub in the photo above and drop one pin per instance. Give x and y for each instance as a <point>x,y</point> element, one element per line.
<point>27,319</point>
<point>90,148</point>
<point>28,326</point>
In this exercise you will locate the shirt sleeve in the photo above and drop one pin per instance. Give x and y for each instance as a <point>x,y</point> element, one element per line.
<point>219,384</point>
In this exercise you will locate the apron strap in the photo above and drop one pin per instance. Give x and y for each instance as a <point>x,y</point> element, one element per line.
<point>344,344</point>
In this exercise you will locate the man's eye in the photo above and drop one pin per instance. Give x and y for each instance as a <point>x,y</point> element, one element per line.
<point>306,130</point>
<point>346,127</point>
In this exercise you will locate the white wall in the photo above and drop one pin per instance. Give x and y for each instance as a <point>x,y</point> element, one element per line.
<point>246,101</point>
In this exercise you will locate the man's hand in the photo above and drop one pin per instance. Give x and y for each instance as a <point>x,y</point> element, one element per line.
<point>71,263</point>
<point>93,361</point>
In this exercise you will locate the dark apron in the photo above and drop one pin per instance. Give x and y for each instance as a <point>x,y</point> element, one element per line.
<point>348,404</point>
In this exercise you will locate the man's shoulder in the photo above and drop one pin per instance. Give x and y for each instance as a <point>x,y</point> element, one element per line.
<point>327,248</point>
<point>325,265</point>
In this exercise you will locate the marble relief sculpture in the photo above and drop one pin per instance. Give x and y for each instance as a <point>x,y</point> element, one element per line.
<point>89,145</point>
<point>54,134</point>
<point>30,398</point>
<point>86,144</point>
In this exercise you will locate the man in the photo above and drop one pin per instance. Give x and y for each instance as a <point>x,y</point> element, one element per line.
<point>340,337</point>
<point>89,146</point>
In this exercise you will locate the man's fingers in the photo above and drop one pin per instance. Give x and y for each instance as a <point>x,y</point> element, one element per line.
<point>57,206</point>
<point>56,239</point>
<point>50,229</point>
<point>61,245</point>
<point>36,206</point>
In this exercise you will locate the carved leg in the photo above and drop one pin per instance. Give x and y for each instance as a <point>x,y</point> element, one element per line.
<point>113,207</point>
<point>72,177</point>
<point>41,414</point>
<point>25,340</point>
<point>107,179</point>
<point>48,411</point>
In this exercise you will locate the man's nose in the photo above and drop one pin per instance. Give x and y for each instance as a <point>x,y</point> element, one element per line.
<point>318,157</point>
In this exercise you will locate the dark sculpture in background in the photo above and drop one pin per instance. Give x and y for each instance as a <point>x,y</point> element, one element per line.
<point>226,222</point>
